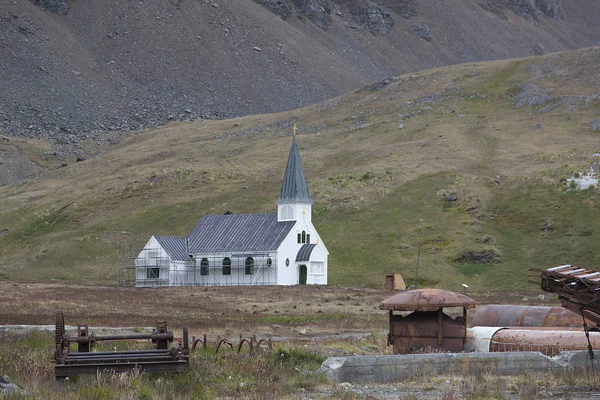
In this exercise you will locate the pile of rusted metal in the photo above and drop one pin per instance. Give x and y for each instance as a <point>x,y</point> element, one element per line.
<point>84,361</point>
<point>577,288</point>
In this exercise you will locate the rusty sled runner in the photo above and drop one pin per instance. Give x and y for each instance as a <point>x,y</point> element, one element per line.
<point>84,361</point>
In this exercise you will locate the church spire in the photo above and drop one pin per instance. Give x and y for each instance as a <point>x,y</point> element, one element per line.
<point>294,188</point>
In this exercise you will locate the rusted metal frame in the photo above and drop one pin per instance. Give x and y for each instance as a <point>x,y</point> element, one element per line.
<point>84,361</point>
<point>440,327</point>
<point>252,343</point>
<point>62,371</point>
<point>224,342</point>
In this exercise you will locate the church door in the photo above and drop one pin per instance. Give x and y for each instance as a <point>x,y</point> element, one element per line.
<point>303,275</point>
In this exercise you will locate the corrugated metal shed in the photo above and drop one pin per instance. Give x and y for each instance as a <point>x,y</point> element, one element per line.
<point>176,247</point>
<point>294,188</point>
<point>304,252</point>
<point>238,233</point>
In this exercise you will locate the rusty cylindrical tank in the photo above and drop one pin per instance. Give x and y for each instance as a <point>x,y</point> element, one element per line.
<point>518,315</point>
<point>548,342</point>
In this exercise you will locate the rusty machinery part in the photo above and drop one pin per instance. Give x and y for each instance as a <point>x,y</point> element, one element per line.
<point>59,336</point>
<point>506,315</point>
<point>577,288</point>
<point>162,359</point>
<point>224,342</point>
<point>252,343</point>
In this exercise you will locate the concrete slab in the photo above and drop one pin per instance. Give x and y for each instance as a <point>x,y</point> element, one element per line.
<point>382,369</point>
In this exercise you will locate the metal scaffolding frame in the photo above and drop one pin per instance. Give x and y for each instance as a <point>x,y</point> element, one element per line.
<point>204,271</point>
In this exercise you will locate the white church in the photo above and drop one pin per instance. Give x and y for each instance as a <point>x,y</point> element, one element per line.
<point>280,248</point>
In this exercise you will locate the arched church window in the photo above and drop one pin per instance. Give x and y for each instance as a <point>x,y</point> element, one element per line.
<point>204,266</point>
<point>269,262</point>
<point>249,266</point>
<point>226,266</point>
<point>303,236</point>
<point>308,238</point>
<point>299,238</point>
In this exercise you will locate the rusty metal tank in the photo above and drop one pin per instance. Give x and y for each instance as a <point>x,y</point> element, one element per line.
<point>526,316</point>
<point>548,342</point>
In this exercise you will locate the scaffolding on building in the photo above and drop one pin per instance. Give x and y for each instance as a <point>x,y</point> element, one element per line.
<point>143,266</point>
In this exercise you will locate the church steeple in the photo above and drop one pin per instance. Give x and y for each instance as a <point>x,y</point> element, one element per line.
<point>294,188</point>
<point>294,200</point>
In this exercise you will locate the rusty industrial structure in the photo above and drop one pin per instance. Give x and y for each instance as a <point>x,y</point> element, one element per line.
<point>427,327</point>
<point>505,315</point>
<point>84,361</point>
<point>577,288</point>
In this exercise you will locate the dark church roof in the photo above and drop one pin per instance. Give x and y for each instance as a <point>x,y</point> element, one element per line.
<point>304,252</point>
<point>294,188</point>
<point>238,233</point>
<point>176,247</point>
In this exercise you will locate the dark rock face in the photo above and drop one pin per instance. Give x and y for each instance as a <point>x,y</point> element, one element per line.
<point>552,8</point>
<point>525,9</point>
<point>423,31</point>
<point>375,19</point>
<point>495,6</point>
<point>56,6</point>
<point>316,12</point>
<point>528,9</point>
<point>281,8</point>
<point>376,86</point>
<point>538,50</point>
<point>404,8</point>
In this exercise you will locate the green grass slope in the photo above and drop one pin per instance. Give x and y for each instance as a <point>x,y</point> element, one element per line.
<point>381,163</point>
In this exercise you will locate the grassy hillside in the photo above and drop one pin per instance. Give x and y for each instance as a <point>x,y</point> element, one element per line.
<point>382,164</point>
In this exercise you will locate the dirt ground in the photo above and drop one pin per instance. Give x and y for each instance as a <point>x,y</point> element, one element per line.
<point>261,310</point>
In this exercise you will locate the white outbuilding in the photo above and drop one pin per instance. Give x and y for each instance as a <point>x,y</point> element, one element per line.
<point>280,248</point>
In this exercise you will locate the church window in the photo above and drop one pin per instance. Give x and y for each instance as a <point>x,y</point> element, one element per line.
<point>269,262</point>
<point>152,273</point>
<point>287,212</point>
<point>299,238</point>
<point>249,266</point>
<point>303,236</point>
<point>204,266</point>
<point>308,238</point>
<point>227,266</point>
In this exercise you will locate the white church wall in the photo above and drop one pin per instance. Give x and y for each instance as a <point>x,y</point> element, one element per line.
<point>287,274</point>
<point>317,268</point>
<point>265,273</point>
<point>153,265</point>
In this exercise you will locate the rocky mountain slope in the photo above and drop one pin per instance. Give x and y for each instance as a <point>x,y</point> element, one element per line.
<point>72,70</point>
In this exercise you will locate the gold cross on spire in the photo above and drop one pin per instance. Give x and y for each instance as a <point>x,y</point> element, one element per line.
<point>294,129</point>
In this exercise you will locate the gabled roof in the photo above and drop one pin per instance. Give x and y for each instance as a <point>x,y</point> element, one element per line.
<point>238,233</point>
<point>294,188</point>
<point>175,247</point>
<point>304,252</point>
